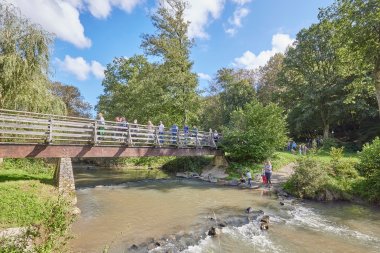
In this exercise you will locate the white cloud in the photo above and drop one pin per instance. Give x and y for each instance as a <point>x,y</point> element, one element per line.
<point>102,8</point>
<point>58,17</point>
<point>239,14</point>
<point>81,68</point>
<point>241,2</point>
<point>204,76</point>
<point>200,14</point>
<point>249,60</point>
<point>97,69</point>
<point>61,17</point>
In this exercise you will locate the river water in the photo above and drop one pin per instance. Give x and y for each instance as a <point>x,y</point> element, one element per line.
<point>116,217</point>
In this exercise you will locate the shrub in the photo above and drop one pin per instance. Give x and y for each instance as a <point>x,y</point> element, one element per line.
<point>370,158</point>
<point>309,178</point>
<point>255,132</point>
<point>369,167</point>
<point>329,143</point>
<point>340,168</point>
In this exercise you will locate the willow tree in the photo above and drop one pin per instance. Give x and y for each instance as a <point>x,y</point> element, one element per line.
<point>24,64</point>
<point>172,44</point>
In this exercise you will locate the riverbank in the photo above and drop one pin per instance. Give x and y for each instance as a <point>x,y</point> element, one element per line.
<point>32,214</point>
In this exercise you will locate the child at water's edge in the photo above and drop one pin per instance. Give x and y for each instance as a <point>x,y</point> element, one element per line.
<point>268,172</point>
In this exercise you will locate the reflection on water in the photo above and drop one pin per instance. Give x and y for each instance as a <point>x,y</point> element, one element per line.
<point>131,213</point>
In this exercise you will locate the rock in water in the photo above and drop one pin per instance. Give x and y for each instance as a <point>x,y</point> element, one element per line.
<point>249,210</point>
<point>213,231</point>
<point>264,222</point>
<point>282,203</point>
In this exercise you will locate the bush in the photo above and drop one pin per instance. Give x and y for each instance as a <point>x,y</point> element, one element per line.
<point>329,143</point>
<point>309,178</point>
<point>255,133</point>
<point>340,168</point>
<point>369,167</point>
<point>370,158</point>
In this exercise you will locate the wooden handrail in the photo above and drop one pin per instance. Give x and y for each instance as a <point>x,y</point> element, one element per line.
<point>16,126</point>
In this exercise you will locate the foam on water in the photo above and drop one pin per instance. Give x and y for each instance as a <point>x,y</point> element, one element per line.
<point>306,217</point>
<point>249,235</point>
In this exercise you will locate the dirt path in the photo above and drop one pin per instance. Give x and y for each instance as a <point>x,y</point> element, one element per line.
<point>279,177</point>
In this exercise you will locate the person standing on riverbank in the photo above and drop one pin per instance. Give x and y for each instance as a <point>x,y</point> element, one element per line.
<point>268,172</point>
<point>249,178</point>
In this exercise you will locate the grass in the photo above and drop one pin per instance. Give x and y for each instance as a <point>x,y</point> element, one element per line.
<point>25,187</point>
<point>28,199</point>
<point>281,159</point>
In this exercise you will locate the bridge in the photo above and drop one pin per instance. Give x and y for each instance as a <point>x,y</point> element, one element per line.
<point>36,135</point>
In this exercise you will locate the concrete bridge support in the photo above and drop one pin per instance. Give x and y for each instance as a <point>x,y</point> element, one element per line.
<point>64,178</point>
<point>220,161</point>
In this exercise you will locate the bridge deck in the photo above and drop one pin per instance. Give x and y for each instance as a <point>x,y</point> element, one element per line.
<point>26,134</point>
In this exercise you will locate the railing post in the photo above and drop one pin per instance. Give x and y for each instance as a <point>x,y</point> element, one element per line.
<point>50,136</point>
<point>95,139</point>
<point>129,137</point>
<point>156,141</point>
<point>178,138</point>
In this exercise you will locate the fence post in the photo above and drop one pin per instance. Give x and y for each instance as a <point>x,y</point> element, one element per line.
<point>50,137</point>
<point>129,137</point>
<point>156,141</point>
<point>95,139</point>
<point>178,138</point>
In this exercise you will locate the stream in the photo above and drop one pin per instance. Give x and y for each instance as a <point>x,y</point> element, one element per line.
<point>174,215</point>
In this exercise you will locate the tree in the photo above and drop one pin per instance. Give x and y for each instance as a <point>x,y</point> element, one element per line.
<point>132,89</point>
<point>24,64</point>
<point>267,88</point>
<point>312,79</point>
<point>235,89</point>
<point>357,23</point>
<point>75,104</point>
<point>255,132</point>
<point>172,44</point>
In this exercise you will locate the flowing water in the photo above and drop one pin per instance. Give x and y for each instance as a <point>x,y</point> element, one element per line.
<point>116,217</point>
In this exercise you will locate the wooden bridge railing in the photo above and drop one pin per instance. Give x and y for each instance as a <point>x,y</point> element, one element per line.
<point>34,128</point>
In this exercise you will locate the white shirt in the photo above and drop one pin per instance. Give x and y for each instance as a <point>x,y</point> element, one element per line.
<point>249,175</point>
<point>161,128</point>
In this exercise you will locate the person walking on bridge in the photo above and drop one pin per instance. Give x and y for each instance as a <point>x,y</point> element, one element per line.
<point>161,129</point>
<point>101,123</point>
<point>174,131</point>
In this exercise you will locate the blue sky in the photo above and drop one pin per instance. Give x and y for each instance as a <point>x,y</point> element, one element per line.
<point>228,33</point>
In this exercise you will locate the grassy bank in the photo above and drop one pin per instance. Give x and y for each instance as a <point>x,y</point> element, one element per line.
<point>29,200</point>
<point>338,175</point>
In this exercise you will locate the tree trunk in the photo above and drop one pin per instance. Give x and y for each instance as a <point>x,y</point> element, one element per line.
<point>377,82</point>
<point>326,130</point>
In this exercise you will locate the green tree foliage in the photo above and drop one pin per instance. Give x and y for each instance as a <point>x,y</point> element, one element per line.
<point>132,89</point>
<point>234,89</point>
<point>255,132</point>
<point>267,88</point>
<point>166,90</point>
<point>357,24</point>
<point>75,104</point>
<point>313,81</point>
<point>24,62</point>
<point>172,44</point>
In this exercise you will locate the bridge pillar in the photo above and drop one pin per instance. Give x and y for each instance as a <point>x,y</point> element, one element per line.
<point>64,178</point>
<point>220,161</point>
